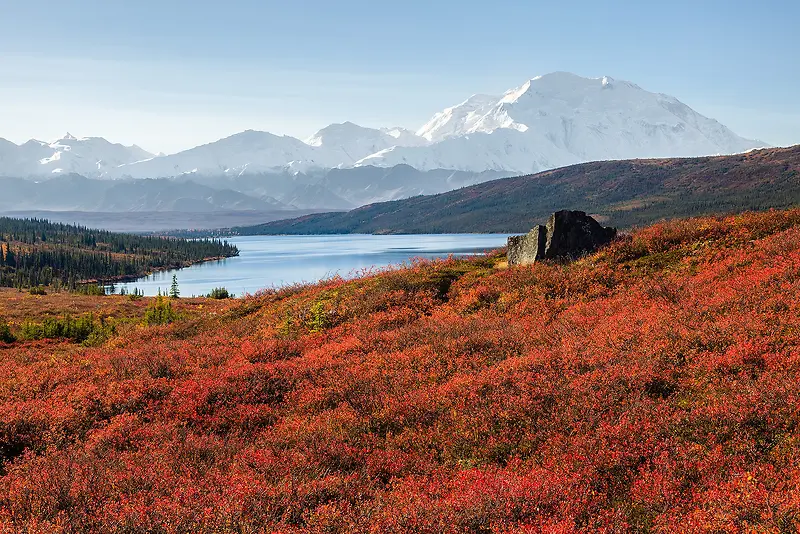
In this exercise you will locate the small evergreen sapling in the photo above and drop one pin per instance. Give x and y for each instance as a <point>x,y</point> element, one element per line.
<point>174,292</point>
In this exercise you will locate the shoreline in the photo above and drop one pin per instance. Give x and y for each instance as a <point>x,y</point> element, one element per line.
<point>126,278</point>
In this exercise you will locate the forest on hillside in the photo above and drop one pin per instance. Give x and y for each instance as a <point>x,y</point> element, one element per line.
<point>36,252</point>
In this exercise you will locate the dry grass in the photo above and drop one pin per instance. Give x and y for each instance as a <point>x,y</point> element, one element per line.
<point>17,306</point>
<point>635,204</point>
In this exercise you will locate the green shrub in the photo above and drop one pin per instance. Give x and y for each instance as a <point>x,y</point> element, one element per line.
<point>5,332</point>
<point>86,329</point>
<point>220,293</point>
<point>91,290</point>
<point>160,312</point>
<point>136,294</point>
<point>319,318</point>
<point>38,290</point>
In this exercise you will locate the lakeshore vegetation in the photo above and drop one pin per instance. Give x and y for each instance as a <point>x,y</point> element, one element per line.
<point>36,253</point>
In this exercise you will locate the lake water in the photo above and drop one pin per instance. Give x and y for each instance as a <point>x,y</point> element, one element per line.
<point>275,261</point>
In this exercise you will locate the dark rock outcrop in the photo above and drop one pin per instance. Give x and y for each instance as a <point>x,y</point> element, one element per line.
<point>567,235</point>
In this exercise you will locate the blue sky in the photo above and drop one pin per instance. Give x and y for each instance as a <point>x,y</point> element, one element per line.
<point>169,75</point>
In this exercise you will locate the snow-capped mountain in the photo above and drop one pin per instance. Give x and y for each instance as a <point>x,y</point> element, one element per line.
<point>404,137</point>
<point>250,152</point>
<point>242,153</point>
<point>550,121</point>
<point>348,142</point>
<point>502,150</point>
<point>457,120</point>
<point>560,119</point>
<point>88,156</point>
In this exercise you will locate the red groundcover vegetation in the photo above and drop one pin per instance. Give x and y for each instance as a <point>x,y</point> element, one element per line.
<point>651,387</point>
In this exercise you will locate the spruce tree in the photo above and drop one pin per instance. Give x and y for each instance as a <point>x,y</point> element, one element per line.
<point>174,292</point>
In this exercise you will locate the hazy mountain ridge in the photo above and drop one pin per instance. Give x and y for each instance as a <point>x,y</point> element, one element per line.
<point>326,189</point>
<point>344,188</point>
<point>621,193</point>
<point>77,193</point>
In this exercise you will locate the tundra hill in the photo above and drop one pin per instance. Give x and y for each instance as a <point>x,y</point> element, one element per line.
<point>651,387</point>
<point>619,193</point>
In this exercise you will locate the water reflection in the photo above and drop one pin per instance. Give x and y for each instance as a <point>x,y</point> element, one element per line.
<point>274,261</point>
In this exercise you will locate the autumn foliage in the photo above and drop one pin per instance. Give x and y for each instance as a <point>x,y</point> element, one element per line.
<point>651,387</point>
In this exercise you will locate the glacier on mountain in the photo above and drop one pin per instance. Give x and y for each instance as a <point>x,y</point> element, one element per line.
<point>560,119</point>
<point>88,156</point>
<point>549,121</point>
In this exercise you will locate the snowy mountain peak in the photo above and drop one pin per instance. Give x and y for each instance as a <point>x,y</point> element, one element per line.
<point>558,85</point>
<point>351,142</point>
<point>447,123</point>
<point>560,119</point>
<point>397,132</point>
<point>337,132</point>
<point>248,137</point>
<point>550,120</point>
<point>88,156</point>
<point>513,95</point>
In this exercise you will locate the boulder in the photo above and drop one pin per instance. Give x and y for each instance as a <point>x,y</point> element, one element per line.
<point>567,235</point>
<point>524,249</point>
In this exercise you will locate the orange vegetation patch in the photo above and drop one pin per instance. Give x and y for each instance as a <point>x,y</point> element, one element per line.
<point>18,306</point>
<point>651,387</point>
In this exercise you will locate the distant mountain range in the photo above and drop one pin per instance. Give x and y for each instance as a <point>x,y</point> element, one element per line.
<point>550,121</point>
<point>318,189</point>
<point>74,192</point>
<point>621,193</point>
<point>88,156</point>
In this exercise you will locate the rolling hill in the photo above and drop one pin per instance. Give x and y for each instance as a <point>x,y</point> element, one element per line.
<point>621,193</point>
<point>652,387</point>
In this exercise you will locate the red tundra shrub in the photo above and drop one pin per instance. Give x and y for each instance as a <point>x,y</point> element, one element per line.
<point>651,387</point>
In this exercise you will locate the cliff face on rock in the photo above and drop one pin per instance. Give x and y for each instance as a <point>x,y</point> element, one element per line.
<point>567,235</point>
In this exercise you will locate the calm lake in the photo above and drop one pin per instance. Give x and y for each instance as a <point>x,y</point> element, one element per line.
<point>275,261</point>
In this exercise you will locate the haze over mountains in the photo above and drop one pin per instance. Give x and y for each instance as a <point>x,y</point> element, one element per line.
<point>621,193</point>
<point>549,121</point>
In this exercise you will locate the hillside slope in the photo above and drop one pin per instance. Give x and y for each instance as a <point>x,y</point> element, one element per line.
<point>621,193</point>
<point>651,387</point>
